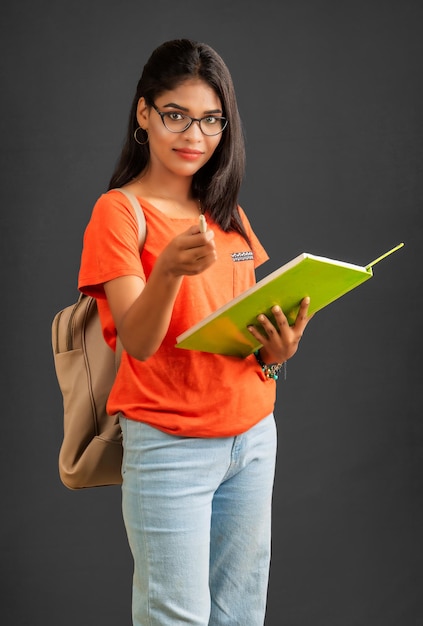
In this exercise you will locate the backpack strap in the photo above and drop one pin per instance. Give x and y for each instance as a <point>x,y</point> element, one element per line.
<point>139,214</point>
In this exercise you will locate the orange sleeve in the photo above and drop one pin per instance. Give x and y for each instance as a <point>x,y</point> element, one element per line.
<point>110,245</point>
<point>260,254</point>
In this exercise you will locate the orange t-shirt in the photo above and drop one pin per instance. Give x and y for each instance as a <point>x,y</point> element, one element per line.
<point>181,392</point>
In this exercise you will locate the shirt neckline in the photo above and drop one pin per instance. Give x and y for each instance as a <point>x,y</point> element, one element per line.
<point>153,208</point>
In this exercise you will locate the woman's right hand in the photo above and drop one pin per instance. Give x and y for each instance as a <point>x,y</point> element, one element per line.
<point>188,254</point>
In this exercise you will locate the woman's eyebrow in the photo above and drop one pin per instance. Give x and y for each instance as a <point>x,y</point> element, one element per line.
<point>173,105</point>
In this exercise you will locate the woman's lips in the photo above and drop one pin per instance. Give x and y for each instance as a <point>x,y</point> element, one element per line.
<point>189,155</point>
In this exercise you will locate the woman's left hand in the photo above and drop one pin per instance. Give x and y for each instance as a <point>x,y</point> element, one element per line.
<point>280,343</point>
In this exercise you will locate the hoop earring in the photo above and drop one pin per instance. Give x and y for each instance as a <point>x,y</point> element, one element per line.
<point>141,143</point>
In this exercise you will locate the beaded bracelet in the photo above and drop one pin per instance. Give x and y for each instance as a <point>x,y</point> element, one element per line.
<point>272,370</point>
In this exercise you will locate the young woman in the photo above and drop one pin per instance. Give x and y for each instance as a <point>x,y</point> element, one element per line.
<point>198,430</point>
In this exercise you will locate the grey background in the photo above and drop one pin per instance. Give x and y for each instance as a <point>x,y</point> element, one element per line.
<point>331,97</point>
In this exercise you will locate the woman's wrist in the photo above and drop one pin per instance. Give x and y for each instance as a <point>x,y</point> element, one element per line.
<point>270,370</point>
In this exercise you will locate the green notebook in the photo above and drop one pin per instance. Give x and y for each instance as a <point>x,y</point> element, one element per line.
<point>324,280</point>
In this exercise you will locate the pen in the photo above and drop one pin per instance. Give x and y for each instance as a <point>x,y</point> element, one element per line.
<point>203,224</point>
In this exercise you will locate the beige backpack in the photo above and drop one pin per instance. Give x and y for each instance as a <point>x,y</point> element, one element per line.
<point>91,450</point>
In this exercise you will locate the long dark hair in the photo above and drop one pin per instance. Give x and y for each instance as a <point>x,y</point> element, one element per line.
<point>218,182</point>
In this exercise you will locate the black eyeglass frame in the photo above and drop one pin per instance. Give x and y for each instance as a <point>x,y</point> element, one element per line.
<point>163,114</point>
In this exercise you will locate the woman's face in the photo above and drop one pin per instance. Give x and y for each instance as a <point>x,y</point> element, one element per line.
<point>183,153</point>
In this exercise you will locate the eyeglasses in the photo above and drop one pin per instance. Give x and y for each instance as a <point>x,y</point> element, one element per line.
<point>178,123</point>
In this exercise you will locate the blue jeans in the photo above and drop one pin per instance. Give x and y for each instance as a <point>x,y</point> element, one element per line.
<point>198,514</point>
